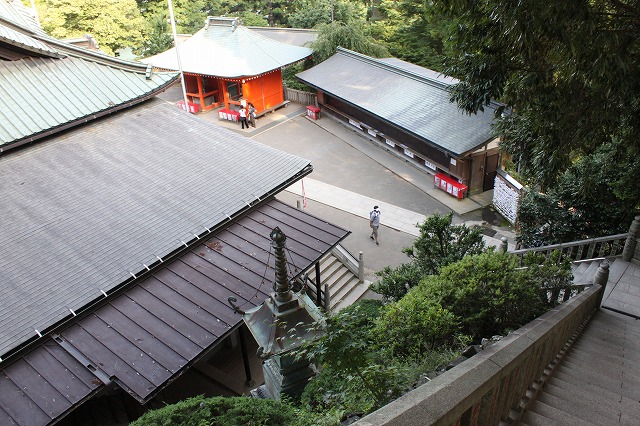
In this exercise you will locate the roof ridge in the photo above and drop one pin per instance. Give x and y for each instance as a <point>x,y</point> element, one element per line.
<point>393,68</point>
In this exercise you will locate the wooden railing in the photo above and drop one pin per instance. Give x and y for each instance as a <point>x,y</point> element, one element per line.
<point>611,246</point>
<point>300,96</point>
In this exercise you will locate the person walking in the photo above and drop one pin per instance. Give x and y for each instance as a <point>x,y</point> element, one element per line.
<point>374,223</point>
<point>243,117</point>
<point>252,115</point>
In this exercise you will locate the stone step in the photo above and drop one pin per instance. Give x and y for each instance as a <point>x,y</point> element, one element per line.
<point>602,416</point>
<point>615,372</point>
<point>578,269</point>
<point>590,357</point>
<point>340,281</point>
<point>344,285</point>
<point>587,376</point>
<point>584,397</point>
<point>617,269</point>
<point>552,416</point>
<point>357,290</point>
<point>590,273</point>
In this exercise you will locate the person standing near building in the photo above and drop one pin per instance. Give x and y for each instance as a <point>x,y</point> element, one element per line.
<point>252,115</point>
<point>374,223</point>
<point>243,117</point>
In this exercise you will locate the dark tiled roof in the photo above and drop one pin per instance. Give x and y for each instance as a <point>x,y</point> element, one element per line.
<point>403,97</point>
<point>147,336</point>
<point>43,385</point>
<point>89,209</point>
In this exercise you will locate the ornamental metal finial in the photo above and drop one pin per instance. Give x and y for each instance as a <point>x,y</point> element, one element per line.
<point>281,285</point>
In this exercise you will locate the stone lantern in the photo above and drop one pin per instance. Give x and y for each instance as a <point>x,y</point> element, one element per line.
<point>281,324</point>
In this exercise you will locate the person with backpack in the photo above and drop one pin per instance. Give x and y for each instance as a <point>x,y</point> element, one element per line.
<point>374,223</point>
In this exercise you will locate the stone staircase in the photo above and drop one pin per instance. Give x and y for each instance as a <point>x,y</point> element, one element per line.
<point>583,272</point>
<point>596,381</point>
<point>344,286</point>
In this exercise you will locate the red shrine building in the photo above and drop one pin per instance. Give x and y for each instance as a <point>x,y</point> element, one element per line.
<point>226,64</point>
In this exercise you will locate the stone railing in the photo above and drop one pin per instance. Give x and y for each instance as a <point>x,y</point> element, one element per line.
<point>492,386</point>
<point>620,245</point>
<point>611,246</point>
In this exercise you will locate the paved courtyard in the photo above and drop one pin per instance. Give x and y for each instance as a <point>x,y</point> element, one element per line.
<point>351,175</point>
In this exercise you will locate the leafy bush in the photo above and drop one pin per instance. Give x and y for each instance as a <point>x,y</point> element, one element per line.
<point>395,282</point>
<point>551,274</point>
<point>416,325</point>
<point>597,196</point>
<point>223,411</point>
<point>487,293</point>
<point>440,243</point>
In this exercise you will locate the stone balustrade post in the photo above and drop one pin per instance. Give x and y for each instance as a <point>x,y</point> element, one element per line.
<point>504,245</point>
<point>630,244</point>
<point>361,266</point>
<point>601,278</point>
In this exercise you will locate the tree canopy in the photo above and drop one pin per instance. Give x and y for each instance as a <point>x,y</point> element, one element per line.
<point>567,72</point>
<point>113,23</point>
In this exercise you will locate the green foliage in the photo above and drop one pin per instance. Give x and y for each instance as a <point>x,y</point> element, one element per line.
<point>158,37</point>
<point>223,411</point>
<point>113,23</point>
<point>551,273</point>
<point>412,33</point>
<point>487,293</point>
<point>346,350</point>
<point>289,78</point>
<point>568,71</point>
<point>416,325</point>
<point>312,13</point>
<point>597,196</point>
<point>189,14</point>
<point>394,283</point>
<point>353,37</point>
<point>358,374</point>
<point>440,243</point>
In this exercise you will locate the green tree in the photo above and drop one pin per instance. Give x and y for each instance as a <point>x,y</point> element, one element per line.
<point>353,37</point>
<point>158,38</point>
<point>413,34</point>
<point>113,23</point>
<point>488,292</point>
<point>598,195</point>
<point>440,243</point>
<point>416,325</point>
<point>189,14</point>
<point>311,13</point>
<point>568,73</point>
<point>239,411</point>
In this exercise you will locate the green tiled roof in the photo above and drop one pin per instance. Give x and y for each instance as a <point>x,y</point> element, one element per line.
<point>55,85</point>
<point>224,49</point>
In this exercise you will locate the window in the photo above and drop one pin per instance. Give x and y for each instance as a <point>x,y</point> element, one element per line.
<point>234,89</point>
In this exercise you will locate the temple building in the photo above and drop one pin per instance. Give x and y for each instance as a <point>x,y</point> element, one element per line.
<point>407,109</point>
<point>226,64</point>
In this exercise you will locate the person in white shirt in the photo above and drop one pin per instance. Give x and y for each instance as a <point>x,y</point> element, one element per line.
<point>374,223</point>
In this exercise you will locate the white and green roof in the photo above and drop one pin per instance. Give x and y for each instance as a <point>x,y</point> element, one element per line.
<point>47,85</point>
<point>223,48</point>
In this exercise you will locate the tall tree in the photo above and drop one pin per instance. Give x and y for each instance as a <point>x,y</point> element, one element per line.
<point>354,37</point>
<point>113,23</point>
<point>412,33</point>
<point>568,71</point>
